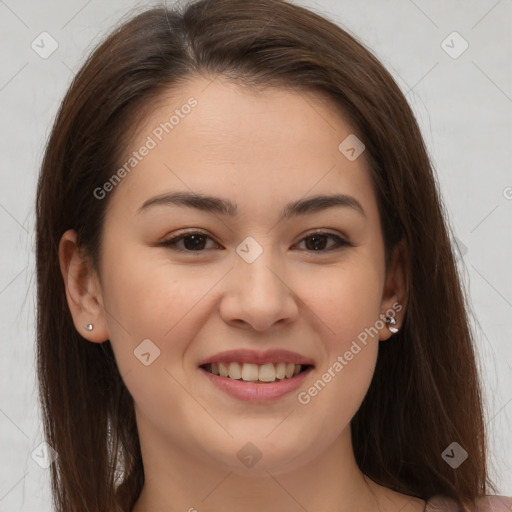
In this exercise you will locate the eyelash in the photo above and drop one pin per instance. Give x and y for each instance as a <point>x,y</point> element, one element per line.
<point>171,243</point>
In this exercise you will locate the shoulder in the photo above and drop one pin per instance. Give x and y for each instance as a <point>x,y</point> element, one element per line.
<point>483,504</point>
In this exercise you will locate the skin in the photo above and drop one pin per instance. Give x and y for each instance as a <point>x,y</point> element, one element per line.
<point>260,150</point>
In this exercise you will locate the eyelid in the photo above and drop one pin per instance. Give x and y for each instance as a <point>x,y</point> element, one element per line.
<point>175,238</point>
<point>322,231</point>
<point>341,239</point>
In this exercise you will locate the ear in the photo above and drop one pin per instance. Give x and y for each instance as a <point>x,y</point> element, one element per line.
<point>394,298</point>
<point>83,291</point>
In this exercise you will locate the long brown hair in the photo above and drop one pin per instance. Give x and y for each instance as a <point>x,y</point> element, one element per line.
<point>425,392</point>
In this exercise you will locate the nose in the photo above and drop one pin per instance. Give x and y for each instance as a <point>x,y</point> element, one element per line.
<point>259,295</point>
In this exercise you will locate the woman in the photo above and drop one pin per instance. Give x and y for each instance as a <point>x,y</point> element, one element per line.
<point>247,295</point>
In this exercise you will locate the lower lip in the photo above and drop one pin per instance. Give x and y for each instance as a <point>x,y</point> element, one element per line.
<point>252,392</point>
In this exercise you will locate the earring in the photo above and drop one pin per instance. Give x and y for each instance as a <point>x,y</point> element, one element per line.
<point>89,327</point>
<point>390,321</point>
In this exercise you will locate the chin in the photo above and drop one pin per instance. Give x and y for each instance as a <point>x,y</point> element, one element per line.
<point>257,456</point>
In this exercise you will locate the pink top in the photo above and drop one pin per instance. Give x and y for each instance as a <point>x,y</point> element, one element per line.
<point>484,504</point>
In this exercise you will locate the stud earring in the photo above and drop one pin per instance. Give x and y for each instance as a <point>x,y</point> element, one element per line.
<point>89,327</point>
<point>391,322</point>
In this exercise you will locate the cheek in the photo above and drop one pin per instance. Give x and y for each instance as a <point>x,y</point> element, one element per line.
<point>150,295</point>
<point>347,299</point>
<point>151,315</point>
<point>348,303</point>
<point>150,299</point>
<point>342,379</point>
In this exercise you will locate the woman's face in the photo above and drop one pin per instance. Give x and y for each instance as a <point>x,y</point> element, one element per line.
<point>250,280</point>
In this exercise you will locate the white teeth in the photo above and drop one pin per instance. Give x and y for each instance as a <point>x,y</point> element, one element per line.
<point>281,370</point>
<point>223,370</point>
<point>235,372</point>
<point>267,373</point>
<point>249,372</point>
<point>290,367</point>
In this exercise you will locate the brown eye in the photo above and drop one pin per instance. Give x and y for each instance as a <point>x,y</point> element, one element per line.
<point>192,242</point>
<point>318,242</point>
<point>197,242</point>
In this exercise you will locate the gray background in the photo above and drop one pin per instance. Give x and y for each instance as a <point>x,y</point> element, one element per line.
<point>463,105</point>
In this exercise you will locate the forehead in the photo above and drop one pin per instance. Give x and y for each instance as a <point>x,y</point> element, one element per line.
<point>262,146</point>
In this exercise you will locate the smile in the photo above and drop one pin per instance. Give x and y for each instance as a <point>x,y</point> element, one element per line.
<point>248,372</point>
<point>256,376</point>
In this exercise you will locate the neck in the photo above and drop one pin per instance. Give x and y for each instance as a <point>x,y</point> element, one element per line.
<point>177,480</point>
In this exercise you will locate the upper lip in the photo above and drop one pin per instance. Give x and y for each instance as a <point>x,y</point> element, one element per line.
<point>257,357</point>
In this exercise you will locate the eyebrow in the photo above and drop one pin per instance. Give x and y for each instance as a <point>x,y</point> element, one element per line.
<point>220,206</point>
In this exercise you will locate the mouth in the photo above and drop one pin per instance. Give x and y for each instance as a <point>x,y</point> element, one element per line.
<point>256,373</point>
<point>254,376</point>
